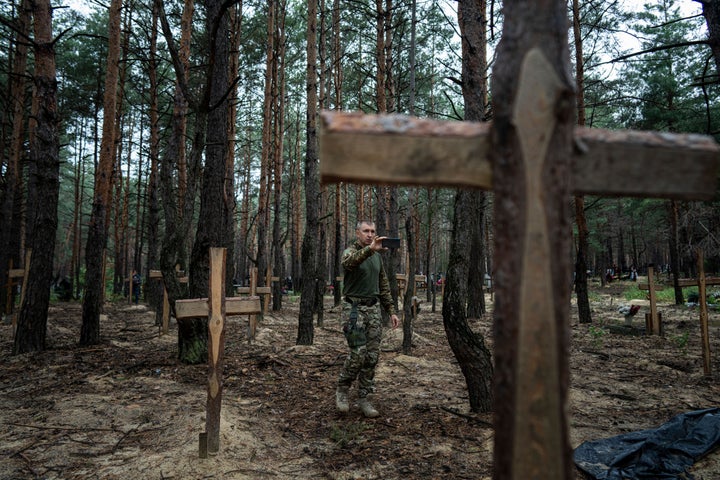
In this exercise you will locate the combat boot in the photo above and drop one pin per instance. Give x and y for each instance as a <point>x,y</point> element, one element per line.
<point>367,409</point>
<point>341,399</point>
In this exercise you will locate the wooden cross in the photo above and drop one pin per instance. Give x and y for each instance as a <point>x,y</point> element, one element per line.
<point>215,307</point>
<point>701,282</point>
<point>13,275</point>
<point>653,321</point>
<point>157,275</point>
<point>531,317</point>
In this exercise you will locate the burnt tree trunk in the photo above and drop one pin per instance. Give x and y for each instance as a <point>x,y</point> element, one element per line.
<point>312,188</point>
<point>43,187</point>
<point>212,228</point>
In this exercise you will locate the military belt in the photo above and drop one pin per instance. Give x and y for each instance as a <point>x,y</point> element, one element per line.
<point>362,301</point>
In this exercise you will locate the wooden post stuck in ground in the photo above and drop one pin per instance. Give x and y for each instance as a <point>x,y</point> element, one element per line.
<point>215,307</point>
<point>704,328</point>
<point>157,275</point>
<point>701,283</point>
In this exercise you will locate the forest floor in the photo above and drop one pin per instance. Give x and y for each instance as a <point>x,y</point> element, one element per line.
<point>127,409</point>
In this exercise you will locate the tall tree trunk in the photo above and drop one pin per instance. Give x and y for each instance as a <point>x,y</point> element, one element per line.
<point>581,284</point>
<point>266,159</point>
<point>79,195</point>
<point>312,186</point>
<point>337,73</point>
<point>278,256</point>
<point>235,20</point>
<point>154,289</point>
<point>97,229</point>
<point>469,349</point>
<point>212,228</point>
<point>43,186</point>
<point>11,198</point>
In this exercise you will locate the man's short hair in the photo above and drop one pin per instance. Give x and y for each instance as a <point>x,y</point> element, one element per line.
<point>360,223</point>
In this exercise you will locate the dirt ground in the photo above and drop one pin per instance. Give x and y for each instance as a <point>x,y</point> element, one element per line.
<point>127,409</point>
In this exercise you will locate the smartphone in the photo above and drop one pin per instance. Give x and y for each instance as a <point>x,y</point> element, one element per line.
<point>391,243</point>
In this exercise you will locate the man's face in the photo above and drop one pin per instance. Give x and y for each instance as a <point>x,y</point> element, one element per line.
<point>366,233</point>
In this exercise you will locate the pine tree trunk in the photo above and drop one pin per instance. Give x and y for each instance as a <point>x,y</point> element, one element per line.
<point>581,284</point>
<point>97,229</point>
<point>312,195</point>
<point>43,187</point>
<point>469,349</point>
<point>211,228</point>
<point>154,289</point>
<point>11,198</point>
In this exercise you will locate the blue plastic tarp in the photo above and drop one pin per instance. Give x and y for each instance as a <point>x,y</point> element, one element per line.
<point>662,453</point>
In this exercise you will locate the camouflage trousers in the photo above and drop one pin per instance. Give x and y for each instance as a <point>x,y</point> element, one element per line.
<point>361,361</point>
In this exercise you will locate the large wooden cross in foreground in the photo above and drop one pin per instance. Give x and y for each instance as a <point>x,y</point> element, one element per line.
<point>534,159</point>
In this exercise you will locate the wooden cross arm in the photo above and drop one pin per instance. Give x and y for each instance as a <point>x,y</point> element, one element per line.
<point>403,150</point>
<point>693,282</point>
<point>157,274</point>
<point>16,273</point>
<point>258,290</point>
<point>233,306</point>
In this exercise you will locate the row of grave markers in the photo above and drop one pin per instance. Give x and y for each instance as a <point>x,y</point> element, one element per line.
<point>653,319</point>
<point>252,290</point>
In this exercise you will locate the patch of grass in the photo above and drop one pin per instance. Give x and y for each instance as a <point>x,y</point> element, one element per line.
<point>681,341</point>
<point>665,295</point>
<point>597,334</point>
<point>593,296</point>
<point>342,435</point>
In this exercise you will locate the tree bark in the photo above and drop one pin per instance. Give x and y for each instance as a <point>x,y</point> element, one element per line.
<point>43,187</point>
<point>154,289</point>
<point>212,228</point>
<point>11,198</point>
<point>312,186</point>
<point>469,349</point>
<point>581,285</point>
<point>98,229</point>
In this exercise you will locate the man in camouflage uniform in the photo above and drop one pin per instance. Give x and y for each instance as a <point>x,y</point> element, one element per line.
<point>365,290</point>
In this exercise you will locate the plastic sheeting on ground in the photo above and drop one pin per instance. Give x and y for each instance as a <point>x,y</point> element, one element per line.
<point>662,453</point>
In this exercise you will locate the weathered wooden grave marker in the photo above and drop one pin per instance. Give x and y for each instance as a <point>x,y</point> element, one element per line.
<point>13,275</point>
<point>531,376</point>
<point>701,282</point>
<point>215,307</point>
<point>653,319</point>
<point>157,275</point>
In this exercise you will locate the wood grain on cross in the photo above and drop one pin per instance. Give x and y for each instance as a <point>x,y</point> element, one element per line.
<point>532,289</point>
<point>215,307</point>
